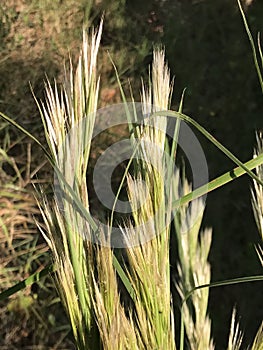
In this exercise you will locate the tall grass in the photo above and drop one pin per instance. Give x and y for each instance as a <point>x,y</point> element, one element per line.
<point>86,269</point>
<point>74,256</point>
<point>149,268</point>
<point>86,275</point>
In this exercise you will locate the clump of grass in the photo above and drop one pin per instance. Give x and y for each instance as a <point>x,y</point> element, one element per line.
<point>90,294</point>
<point>149,268</point>
<point>92,297</point>
<point>86,273</point>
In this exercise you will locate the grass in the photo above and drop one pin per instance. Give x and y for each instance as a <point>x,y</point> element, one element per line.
<point>86,274</point>
<point>22,252</point>
<point>257,197</point>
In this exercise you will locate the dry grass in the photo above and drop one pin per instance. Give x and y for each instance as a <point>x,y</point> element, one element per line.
<point>24,317</point>
<point>18,233</point>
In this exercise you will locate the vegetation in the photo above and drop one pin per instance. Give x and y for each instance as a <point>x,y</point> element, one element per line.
<point>93,299</point>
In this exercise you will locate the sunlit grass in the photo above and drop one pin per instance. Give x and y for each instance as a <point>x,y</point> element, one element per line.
<point>87,274</point>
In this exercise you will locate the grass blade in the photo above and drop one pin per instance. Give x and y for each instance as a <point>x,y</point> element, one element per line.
<point>253,47</point>
<point>27,282</point>
<point>211,138</point>
<point>219,181</point>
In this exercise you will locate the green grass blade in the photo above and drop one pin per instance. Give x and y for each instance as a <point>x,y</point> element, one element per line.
<point>253,47</point>
<point>225,283</point>
<point>175,142</point>
<point>125,280</point>
<point>211,138</point>
<point>25,132</point>
<point>260,50</point>
<point>177,129</point>
<point>219,181</point>
<point>128,114</point>
<point>27,282</point>
<point>35,277</point>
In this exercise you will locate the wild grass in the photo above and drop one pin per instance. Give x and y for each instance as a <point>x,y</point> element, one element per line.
<point>87,273</point>
<point>86,276</point>
<point>73,256</point>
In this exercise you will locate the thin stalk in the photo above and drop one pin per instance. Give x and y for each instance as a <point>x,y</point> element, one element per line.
<point>210,138</point>
<point>253,47</point>
<point>27,282</point>
<point>177,128</point>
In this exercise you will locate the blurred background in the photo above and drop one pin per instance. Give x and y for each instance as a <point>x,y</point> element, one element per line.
<point>208,53</point>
